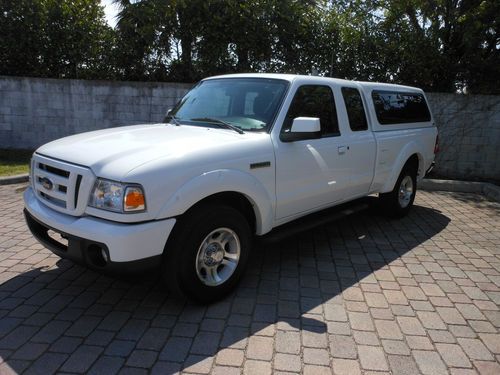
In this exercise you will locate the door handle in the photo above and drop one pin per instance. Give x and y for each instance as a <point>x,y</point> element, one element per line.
<point>342,149</point>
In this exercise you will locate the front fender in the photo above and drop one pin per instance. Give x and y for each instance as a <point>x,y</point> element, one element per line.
<point>218,181</point>
<point>406,152</point>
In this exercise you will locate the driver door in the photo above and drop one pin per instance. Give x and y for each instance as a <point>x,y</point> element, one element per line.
<point>311,174</point>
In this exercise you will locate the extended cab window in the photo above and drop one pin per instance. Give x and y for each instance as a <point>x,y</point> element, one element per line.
<point>355,109</point>
<point>314,101</point>
<point>394,107</point>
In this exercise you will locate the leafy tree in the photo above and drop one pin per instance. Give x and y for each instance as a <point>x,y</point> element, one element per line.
<point>21,44</point>
<point>141,40</point>
<point>219,36</point>
<point>149,31</point>
<point>236,37</point>
<point>297,35</point>
<point>54,38</point>
<point>75,36</point>
<point>359,44</point>
<point>440,45</point>
<point>443,45</point>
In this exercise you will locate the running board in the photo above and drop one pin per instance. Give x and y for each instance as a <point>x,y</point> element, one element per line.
<point>316,219</point>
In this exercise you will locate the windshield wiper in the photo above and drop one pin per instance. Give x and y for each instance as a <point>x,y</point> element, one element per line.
<point>219,122</point>
<point>172,118</point>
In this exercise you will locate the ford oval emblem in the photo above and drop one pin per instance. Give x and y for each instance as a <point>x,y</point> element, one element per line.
<point>46,183</point>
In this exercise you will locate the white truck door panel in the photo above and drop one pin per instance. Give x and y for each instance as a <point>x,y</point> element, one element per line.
<point>310,174</point>
<point>361,158</point>
<point>360,141</point>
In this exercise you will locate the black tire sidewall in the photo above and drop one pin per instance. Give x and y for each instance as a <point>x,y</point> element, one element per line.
<point>399,210</point>
<point>391,204</point>
<point>195,229</point>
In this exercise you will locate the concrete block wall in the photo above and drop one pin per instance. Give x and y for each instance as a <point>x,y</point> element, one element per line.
<point>34,111</point>
<point>469,136</point>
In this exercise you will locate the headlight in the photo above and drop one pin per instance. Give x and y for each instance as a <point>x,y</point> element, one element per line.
<point>115,196</point>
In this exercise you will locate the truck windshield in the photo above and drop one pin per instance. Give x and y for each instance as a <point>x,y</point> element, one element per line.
<point>249,104</point>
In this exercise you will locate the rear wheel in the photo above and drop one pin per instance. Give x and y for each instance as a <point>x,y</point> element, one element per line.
<point>208,253</point>
<point>398,202</point>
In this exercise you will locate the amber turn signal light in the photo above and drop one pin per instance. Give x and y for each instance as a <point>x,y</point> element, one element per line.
<point>134,199</point>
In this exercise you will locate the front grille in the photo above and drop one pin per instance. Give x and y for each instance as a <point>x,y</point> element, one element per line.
<point>61,185</point>
<point>50,169</point>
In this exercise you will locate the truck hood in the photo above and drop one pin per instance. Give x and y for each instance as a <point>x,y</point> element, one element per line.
<point>112,153</point>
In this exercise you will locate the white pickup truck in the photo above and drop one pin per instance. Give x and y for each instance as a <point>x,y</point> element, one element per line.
<point>238,156</point>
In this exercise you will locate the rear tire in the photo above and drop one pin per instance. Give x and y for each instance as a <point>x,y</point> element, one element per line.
<point>399,201</point>
<point>207,254</point>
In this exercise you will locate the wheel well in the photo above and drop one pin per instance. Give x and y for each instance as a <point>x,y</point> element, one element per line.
<point>414,163</point>
<point>232,199</point>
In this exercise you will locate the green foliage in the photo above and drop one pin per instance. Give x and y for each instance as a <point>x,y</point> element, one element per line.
<point>450,44</point>
<point>21,43</point>
<point>14,162</point>
<point>440,45</point>
<point>55,38</point>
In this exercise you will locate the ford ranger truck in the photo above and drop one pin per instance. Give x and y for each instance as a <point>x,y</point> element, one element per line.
<point>238,156</point>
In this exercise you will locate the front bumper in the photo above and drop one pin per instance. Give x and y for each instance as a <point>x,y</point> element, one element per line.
<point>97,243</point>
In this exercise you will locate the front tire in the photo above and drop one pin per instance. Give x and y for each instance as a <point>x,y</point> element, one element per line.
<point>207,254</point>
<point>399,201</point>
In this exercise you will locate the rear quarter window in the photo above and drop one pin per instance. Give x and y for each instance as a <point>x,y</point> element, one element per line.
<point>393,107</point>
<point>355,109</point>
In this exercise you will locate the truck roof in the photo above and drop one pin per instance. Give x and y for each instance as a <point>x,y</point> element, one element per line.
<point>305,78</point>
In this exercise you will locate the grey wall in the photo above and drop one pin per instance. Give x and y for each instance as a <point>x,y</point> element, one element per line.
<point>34,111</point>
<point>469,135</point>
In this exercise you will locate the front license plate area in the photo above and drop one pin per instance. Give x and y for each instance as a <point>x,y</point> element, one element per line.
<point>58,238</point>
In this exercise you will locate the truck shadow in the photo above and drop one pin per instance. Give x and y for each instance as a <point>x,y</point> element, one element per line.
<point>67,318</point>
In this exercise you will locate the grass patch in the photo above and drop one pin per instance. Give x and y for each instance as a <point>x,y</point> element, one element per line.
<point>14,162</point>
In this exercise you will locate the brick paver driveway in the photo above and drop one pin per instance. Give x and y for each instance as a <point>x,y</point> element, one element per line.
<point>418,295</point>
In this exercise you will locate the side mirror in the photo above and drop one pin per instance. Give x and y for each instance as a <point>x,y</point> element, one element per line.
<point>167,115</point>
<point>302,128</point>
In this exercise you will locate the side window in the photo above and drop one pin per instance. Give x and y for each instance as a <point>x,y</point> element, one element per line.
<point>314,101</point>
<point>400,107</point>
<point>355,109</point>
